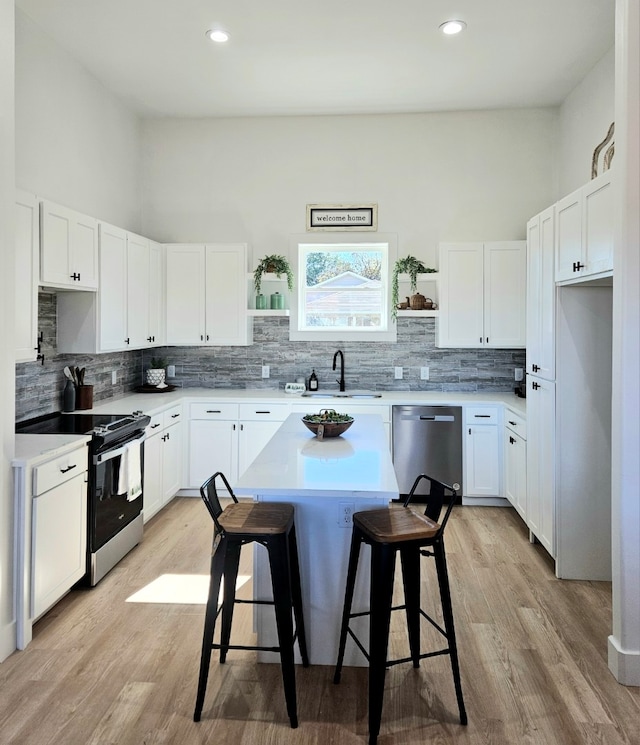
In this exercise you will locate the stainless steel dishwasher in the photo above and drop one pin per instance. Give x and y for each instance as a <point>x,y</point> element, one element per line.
<point>427,439</point>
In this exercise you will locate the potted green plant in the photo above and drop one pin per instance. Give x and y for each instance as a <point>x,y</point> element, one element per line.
<point>156,373</point>
<point>272,264</point>
<point>411,266</point>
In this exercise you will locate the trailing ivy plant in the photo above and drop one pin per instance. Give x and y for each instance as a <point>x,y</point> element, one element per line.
<point>273,264</point>
<point>411,266</point>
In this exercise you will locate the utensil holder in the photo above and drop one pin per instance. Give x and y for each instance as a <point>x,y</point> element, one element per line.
<point>84,397</point>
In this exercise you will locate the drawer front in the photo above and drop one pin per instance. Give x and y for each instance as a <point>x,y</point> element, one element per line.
<point>156,424</point>
<point>481,415</point>
<point>172,415</point>
<point>515,423</point>
<point>264,412</point>
<point>214,410</point>
<point>57,471</point>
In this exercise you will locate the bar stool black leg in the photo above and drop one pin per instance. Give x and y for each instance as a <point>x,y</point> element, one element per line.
<point>231,564</point>
<point>354,554</point>
<point>281,583</point>
<point>296,594</point>
<point>447,614</point>
<point>381,594</point>
<point>410,558</point>
<point>217,566</point>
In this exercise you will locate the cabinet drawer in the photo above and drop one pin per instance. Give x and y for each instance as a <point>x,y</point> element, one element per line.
<point>481,415</point>
<point>214,410</point>
<point>267,412</point>
<point>60,469</point>
<point>172,415</point>
<point>155,426</point>
<point>516,423</point>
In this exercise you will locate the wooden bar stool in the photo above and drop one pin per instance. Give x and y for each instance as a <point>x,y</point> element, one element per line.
<point>388,531</point>
<point>272,526</point>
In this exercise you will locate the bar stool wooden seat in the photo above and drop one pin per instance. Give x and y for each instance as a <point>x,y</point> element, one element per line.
<point>271,525</point>
<point>388,531</point>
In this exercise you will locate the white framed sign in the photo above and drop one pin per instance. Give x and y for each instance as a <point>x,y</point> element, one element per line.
<point>342,217</point>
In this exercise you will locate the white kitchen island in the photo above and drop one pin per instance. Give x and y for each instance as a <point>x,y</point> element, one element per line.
<point>326,481</point>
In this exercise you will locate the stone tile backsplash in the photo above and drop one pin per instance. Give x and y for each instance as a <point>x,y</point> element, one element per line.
<point>367,364</point>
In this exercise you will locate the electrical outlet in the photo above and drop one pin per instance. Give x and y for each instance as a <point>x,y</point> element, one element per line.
<point>397,372</point>
<point>424,373</point>
<point>519,374</point>
<point>265,371</point>
<point>345,514</point>
<point>114,377</point>
<point>171,371</point>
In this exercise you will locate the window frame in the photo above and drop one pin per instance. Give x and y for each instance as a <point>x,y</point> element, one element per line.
<point>344,241</point>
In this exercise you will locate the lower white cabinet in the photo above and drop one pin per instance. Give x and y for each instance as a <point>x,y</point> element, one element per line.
<point>515,462</point>
<point>50,527</point>
<point>482,452</point>
<point>541,454</point>
<point>258,424</point>
<point>213,441</point>
<point>162,460</point>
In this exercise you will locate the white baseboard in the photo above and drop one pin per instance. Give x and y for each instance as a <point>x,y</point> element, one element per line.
<point>7,640</point>
<point>624,664</point>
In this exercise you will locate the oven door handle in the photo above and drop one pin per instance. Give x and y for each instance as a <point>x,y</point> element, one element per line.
<point>110,454</point>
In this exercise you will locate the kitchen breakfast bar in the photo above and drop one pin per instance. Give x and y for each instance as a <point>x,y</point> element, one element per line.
<point>326,480</point>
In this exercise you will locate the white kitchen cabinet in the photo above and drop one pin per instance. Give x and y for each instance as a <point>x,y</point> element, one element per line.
<point>541,295</point>
<point>515,462</point>
<point>541,453</point>
<point>27,269</point>
<point>482,452</point>
<point>68,248</point>
<point>482,295</point>
<point>207,295</point>
<point>258,423</point>
<point>213,441</point>
<point>584,232</point>
<point>126,311</point>
<point>50,491</point>
<point>162,460</point>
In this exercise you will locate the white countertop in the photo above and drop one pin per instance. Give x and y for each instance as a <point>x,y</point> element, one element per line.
<point>34,449</point>
<point>149,403</point>
<point>295,463</point>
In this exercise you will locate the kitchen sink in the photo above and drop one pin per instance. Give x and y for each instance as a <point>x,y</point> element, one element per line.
<point>342,394</point>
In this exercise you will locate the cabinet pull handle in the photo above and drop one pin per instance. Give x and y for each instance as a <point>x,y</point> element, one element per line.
<point>154,426</point>
<point>175,416</point>
<point>242,428</point>
<point>512,441</point>
<point>577,266</point>
<point>487,339</point>
<point>201,337</point>
<point>482,416</point>
<point>513,424</point>
<point>126,341</point>
<point>534,368</point>
<point>469,430</point>
<point>75,276</point>
<point>149,339</point>
<point>480,340</point>
<point>213,411</point>
<point>207,337</point>
<point>263,412</point>
<point>66,470</point>
<point>535,385</point>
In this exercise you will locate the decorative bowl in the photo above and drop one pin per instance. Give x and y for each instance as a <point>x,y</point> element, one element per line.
<point>327,423</point>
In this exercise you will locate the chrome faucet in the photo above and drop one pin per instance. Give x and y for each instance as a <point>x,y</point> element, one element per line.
<point>341,381</point>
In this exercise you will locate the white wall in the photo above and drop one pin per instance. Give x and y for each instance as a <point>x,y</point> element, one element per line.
<point>76,143</point>
<point>7,370</point>
<point>435,177</point>
<point>585,117</point>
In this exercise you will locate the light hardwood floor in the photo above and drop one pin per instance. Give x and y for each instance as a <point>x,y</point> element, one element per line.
<point>104,671</point>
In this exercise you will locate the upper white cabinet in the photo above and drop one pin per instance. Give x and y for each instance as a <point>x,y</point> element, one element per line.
<point>127,312</point>
<point>482,294</point>
<point>207,295</point>
<point>584,232</point>
<point>68,248</point>
<point>541,295</point>
<point>27,246</point>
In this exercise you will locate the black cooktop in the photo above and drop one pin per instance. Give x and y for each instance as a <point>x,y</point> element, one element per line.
<point>104,427</point>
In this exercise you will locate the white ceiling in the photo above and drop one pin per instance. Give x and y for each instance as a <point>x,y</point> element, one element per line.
<point>288,57</point>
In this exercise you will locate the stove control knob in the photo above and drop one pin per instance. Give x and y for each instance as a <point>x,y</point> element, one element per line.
<point>138,414</point>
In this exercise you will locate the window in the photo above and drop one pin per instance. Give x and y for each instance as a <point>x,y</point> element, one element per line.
<point>342,291</point>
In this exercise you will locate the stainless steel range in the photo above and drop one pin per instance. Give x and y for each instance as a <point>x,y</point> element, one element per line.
<point>116,460</point>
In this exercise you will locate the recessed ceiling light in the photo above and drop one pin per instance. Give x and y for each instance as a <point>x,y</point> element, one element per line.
<point>452,27</point>
<point>218,35</point>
